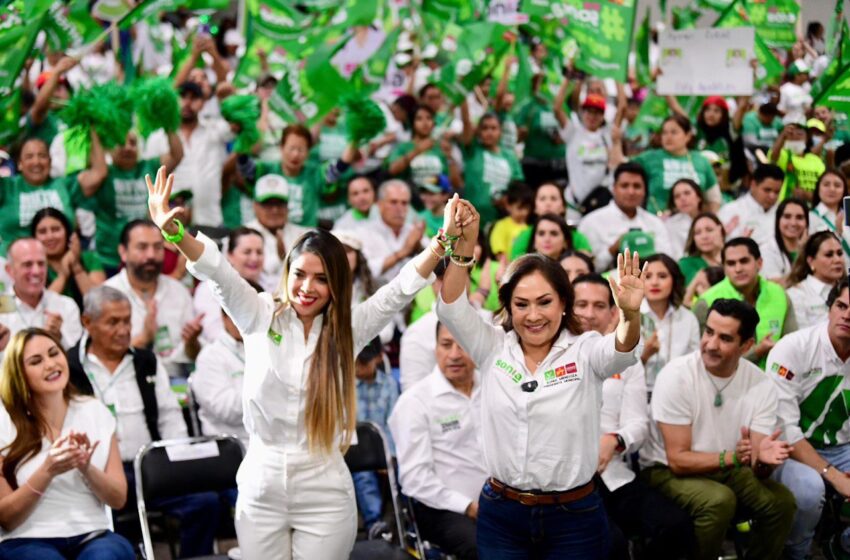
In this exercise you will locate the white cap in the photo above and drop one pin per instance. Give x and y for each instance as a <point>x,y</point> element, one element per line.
<point>430,51</point>
<point>349,238</point>
<point>232,38</point>
<point>271,186</point>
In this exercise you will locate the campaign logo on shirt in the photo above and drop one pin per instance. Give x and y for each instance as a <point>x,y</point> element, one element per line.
<point>449,423</point>
<point>783,372</point>
<point>514,374</point>
<point>561,374</point>
<point>810,373</point>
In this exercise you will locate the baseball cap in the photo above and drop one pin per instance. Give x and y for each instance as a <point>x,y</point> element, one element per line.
<point>185,193</point>
<point>638,241</point>
<point>594,101</point>
<point>798,67</point>
<point>44,76</point>
<point>190,87</point>
<point>271,186</point>
<point>716,100</point>
<point>817,124</point>
<point>348,238</point>
<point>233,38</point>
<point>439,184</point>
<point>712,157</point>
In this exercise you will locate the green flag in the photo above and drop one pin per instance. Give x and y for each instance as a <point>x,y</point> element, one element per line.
<point>70,26</point>
<point>370,75</point>
<point>458,11</point>
<point>833,25</point>
<point>770,70</point>
<point>10,117</point>
<point>642,66</point>
<point>685,17</point>
<point>718,5</point>
<point>148,9</point>
<point>651,115</point>
<point>839,58</point>
<point>775,21</point>
<point>480,48</point>
<point>524,74</point>
<point>837,94</point>
<point>16,43</point>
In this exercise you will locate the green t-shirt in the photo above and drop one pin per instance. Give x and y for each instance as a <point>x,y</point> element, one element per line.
<point>720,146</point>
<point>332,142</point>
<point>800,172</point>
<point>663,170</point>
<point>19,202</point>
<point>47,130</point>
<point>91,263</point>
<point>690,266</point>
<point>123,197</point>
<point>486,176</point>
<point>424,168</point>
<point>305,190</point>
<point>753,131</point>
<point>432,223</point>
<point>542,141</point>
<point>520,246</point>
<point>510,134</point>
<point>237,208</point>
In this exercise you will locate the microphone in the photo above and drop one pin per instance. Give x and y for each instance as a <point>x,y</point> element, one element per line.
<point>531,386</point>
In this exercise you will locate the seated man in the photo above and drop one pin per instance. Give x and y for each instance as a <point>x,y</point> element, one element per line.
<point>377,393</point>
<point>713,445</point>
<point>436,426</point>
<point>741,264</point>
<point>633,507</point>
<point>753,214</point>
<point>163,317</point>
<point>810,371</point>
<point>32,305</point>
<point>133,384</point>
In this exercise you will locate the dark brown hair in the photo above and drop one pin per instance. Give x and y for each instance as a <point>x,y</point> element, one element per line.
<point>553,274</point>
<point>830,171</point>
<point>297,130</point>
<point>800,270</point>
<point>677,293</point>
<point>690,244</point>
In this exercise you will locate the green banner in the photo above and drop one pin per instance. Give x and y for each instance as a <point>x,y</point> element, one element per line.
<point>653,111</point>
<point>770,70</point>
<point>839,58</point>
<point>837,95</point>
<point>480,48</point>
<point>458,11</point>
<point>833,25</point>
<point>16,43</point>
<point>10,117</point>
<point>685,17</point>
<point>775,21</point>
<point>643,72</point>
<point>70,26</point>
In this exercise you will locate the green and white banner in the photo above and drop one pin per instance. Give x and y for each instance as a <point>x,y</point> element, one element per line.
<point>775,21</point>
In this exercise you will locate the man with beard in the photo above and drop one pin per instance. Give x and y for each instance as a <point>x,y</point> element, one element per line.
<point>123,195</point>
<point>30,304</point>
<point>162,307</point>
<point>204,154</point>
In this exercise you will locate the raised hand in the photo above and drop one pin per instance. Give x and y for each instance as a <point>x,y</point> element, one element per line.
<point>628,292</point>
<point>773,451</point>
<point>159,193</point>
<point>450,226</point>
<point>192,330</point>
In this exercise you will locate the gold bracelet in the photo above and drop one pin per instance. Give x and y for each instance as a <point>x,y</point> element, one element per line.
<point>434,251</point>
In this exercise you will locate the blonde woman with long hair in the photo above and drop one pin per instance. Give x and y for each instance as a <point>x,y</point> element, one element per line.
<point>296,498</point>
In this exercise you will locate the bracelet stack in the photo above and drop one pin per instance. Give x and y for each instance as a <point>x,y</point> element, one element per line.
<point>447,242</point>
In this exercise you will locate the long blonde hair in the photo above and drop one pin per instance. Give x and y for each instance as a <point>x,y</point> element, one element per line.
<point>331,396</point>
<point>15,394</point>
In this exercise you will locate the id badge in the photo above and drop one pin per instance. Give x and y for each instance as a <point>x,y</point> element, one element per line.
<point>7,304</point>
<point>162,341</point>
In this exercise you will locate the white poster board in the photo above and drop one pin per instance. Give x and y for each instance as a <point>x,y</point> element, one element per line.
<point>706,62</point>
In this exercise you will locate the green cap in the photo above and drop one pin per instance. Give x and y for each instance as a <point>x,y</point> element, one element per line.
<point>639,241</point>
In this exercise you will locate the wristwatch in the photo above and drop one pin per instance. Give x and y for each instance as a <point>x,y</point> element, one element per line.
<point>621,443</point>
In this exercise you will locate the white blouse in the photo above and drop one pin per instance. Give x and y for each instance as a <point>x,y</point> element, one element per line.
<point>678,334</point>
<point>277,358</point>
<point>809,301</point>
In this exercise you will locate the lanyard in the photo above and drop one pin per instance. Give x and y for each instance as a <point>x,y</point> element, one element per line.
<point>831,227</point>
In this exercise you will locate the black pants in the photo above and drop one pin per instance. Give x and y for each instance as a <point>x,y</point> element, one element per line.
<point>637,510</point>
<point>453,532</point>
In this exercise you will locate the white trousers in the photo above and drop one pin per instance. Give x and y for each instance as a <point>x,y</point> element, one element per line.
<point>294,506</point>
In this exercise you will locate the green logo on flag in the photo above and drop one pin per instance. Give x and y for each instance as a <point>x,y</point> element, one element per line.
<point>613,27</point>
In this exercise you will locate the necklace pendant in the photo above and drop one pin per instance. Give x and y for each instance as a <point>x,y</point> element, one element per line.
<point>718,399</point>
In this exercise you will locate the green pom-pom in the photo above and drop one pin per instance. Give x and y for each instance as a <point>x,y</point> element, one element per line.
<point>243,110</point>
<point>157,106</point>
<point>107,108</point>
<point>363,119</point>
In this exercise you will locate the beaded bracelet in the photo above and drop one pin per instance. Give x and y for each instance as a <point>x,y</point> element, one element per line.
<point>462,263</point>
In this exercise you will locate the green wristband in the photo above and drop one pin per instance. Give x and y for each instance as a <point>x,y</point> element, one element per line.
<point>177,237</point>
<point>723,460</point>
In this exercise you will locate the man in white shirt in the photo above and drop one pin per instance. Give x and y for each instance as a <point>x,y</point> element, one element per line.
<point>134,386</point>
<point>361,202</point>
<point>605,227</point>
<point>31,304</point>
<point>204,153</point>
<point>390,240</point>
<point>633,507</point>
<point>436,426</point>
<point>811,372</point>
<point>271,197</point>
<point>753,215</point>
<point>713,446</point>
<point>163,317</point>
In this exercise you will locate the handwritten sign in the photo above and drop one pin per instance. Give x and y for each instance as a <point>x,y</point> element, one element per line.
<point>706,62</point>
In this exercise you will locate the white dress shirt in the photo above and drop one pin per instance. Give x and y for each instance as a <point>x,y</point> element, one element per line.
<point>604,226</point>
<point>775,264</point>
<point>546,439</point>
<point>750,215</point>
<point>809,301</point>
<point>685,394</point>
<point>119,391</point>
<point>624,412</point>
<point>68,506</point>
<point>416,358</point>
<point>25,317</point>
<point>379,243</point>
<point>824,219</point>
<point>203,301</point>
<point>678,334</point>
<point>678,226</point>
<point>437,431</point>
<point>272,263</point>
<point>217,386</point>
<point>204,153</point>
<point>173,310</point>
<point>277,356</point>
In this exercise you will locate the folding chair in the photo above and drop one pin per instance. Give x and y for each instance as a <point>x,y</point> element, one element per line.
<point>373,454</point>
<point>178,467</point>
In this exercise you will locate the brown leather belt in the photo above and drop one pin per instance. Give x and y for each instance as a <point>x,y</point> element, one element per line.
<point>538,498</point>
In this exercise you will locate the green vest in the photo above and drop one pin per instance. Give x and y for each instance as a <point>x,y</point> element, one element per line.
<point>772,306</point>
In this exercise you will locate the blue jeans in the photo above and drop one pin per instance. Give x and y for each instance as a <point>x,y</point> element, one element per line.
<point>508,530</point>
<point>367,491</point>
<point>810,493</point>
<point>107,546</point>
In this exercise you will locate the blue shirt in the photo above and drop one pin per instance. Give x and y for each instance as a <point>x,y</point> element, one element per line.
<point>375,402</point>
